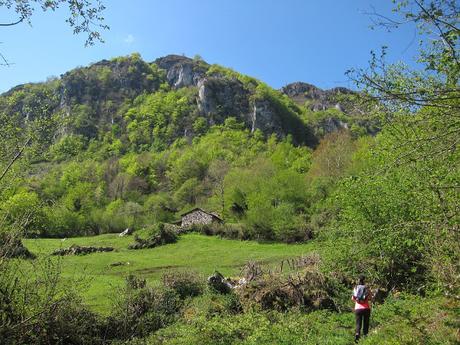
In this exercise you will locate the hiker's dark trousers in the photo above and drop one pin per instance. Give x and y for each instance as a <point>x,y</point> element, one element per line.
<point>362,319</point>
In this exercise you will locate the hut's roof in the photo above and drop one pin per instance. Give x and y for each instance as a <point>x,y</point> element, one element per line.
<point>214,214</point>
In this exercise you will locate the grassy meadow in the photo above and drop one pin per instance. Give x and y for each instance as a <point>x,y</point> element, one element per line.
<point>99,283</point>
<point>193,252</point>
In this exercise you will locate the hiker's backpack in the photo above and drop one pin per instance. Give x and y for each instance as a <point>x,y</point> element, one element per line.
<point>360,293</point>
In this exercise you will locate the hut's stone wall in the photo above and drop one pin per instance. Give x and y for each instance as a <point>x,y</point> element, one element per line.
<point>196,217</point>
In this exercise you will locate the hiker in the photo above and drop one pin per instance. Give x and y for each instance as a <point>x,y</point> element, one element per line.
<point>362,296</point>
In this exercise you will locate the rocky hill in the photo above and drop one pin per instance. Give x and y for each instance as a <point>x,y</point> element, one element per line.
<point>91,100</point>
<point>315,98</point>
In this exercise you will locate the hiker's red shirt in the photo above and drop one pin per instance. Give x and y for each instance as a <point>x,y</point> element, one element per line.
<point>361,304</point>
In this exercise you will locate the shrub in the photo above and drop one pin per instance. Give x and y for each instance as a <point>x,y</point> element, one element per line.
<point>159,235</point>
<point>63,222</point>
<point>35,308</point>
<point>142,310</point>
<point>219,304</point>
<point>232,231</point>
<point>133,282</point>
<point>24,208</point>
<point>66,322</point>
<point>306,289</point>
<point>236,231</point>
<point>118,216</point>
<point>185,284</point>
<point>11,247</point>
<point>409,319</point>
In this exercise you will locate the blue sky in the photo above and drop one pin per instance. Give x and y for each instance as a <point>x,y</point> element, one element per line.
<point>277,41</point>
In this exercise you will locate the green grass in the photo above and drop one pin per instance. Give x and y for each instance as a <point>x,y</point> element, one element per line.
<point>402,320</point>
<point>195,252</point>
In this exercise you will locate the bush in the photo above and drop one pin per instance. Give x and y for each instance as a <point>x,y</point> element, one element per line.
<point>236,231</point>
<point>232,231</point>
<point>67,322</point>
<point>118,216</point>
<point>215,304</point>
<point>142,310</point>
<point>11,247</point>
<point>185,284</point>
<point>409,319</point>
<point>159,235</point>
<point>289,232</point>
<point>305,289</point>
<point>24,208</point>
<point>63,222</point>
<point>35,308</point>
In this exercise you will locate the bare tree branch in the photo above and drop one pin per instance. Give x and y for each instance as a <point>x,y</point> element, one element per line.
<point>15,158</point>
<point>20,20</point>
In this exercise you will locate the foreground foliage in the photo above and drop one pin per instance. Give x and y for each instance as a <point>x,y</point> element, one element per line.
<point>392,323</point>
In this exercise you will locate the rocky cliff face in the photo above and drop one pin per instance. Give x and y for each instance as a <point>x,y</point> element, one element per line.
<point>182,71</point>
<point>220,95</point>
<point>316,98</point>
<point>219,98</point>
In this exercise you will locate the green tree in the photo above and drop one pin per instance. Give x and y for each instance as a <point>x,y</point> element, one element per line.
<point>24,209</point>
<point>271,201</point>
<point>157,119</point>
<point>404,202</point>
<point>67,147</point>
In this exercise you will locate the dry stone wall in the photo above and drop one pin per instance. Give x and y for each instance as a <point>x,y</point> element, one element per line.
<point>196,217</point>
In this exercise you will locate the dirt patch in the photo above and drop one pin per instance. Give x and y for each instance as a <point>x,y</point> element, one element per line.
<point>157,269</point>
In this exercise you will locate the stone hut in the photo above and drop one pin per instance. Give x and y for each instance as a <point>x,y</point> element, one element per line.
<point>199,216</point>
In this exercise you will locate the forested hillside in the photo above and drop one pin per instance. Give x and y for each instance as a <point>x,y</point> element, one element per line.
<point>126,144</point>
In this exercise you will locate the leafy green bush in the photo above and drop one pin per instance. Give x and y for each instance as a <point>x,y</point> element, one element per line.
<point>409,319</point>
<point>234,231</point>
<point>49,313</point>
<point>399,321</point>
<point>224,230</point>
<point>67,147</point>
<point>142,310</point>
<point>159,235</point>
<point>62,222</point>
<point>24,207</point>
<point>66,322</point>
<point>185,284</point>
<point>380,228</point>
